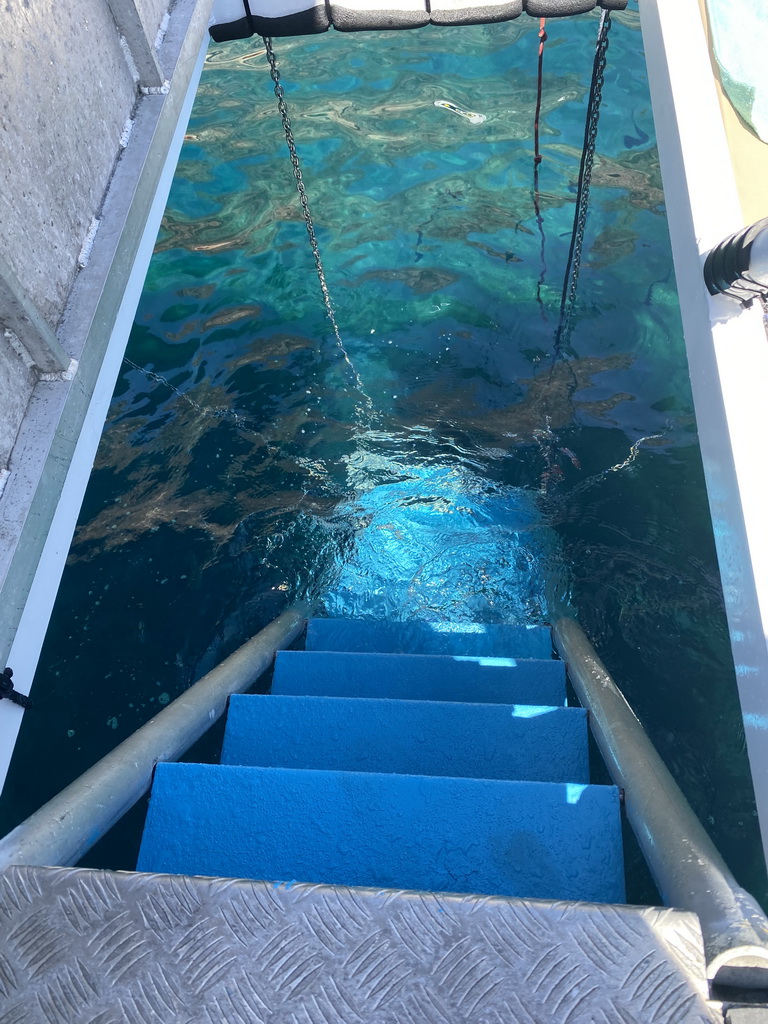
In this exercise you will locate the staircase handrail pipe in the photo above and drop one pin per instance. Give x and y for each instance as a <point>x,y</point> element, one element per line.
<point>66,827</point>
<point>688,870</point>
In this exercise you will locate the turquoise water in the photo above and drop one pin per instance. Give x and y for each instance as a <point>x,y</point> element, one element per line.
<point>477,475</point>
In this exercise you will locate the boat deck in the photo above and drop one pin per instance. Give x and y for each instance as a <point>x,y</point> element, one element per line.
<point>87,946</point>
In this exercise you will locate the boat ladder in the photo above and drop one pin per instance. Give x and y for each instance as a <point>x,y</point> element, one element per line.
<point>403,829</point>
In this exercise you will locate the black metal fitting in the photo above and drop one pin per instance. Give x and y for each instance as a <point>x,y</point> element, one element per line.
<point>730,268</point>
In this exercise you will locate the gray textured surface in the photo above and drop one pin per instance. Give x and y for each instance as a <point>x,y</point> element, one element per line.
<point>89,946</point>
<point>558,8</point>
<point>747,1015</point>
<point>17,379</point>
<point>65,94</point>
<point>98,313</point>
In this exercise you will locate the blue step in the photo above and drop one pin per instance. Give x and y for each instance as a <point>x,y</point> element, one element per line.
<point>410,737</point>
<point>530,839</point>
<point>463,638</point>
<point>420,677</point>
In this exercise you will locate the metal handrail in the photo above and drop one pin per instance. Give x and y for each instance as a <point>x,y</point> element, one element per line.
<point>68,825</point>
<point>687,869</point>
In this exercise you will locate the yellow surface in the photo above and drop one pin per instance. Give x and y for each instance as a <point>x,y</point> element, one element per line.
<point>749,154</point>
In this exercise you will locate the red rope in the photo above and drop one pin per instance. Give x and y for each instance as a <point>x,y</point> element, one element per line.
<point>542,40</point>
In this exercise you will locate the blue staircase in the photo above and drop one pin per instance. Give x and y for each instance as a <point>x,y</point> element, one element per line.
<point>414,755</point>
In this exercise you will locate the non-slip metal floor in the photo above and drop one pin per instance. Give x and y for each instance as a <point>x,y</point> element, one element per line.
<point>96,947</point>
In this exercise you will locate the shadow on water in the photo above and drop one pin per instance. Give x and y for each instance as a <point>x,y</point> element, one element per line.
<point>235,473</point>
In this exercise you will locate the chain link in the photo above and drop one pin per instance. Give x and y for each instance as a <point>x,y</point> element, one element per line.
<point>571,282</point>
<point>283,108</point>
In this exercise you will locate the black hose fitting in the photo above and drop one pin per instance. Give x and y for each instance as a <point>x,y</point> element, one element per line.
<point>738,266</point>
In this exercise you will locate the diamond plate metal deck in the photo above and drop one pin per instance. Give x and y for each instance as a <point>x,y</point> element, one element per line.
<point>96,947</point>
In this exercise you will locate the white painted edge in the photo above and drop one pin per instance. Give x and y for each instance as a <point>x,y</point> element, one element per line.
<point>133,71</point>
<point>162,29</point>
<point>125,135</point>
<point>28,642</point>
<point>726,346</point>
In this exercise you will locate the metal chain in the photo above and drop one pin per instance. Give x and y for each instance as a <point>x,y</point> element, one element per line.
<point>282,107</point>
<point>573,266</point>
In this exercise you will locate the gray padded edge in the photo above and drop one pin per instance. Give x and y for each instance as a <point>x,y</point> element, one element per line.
<point>558,8</point>
<point>99,947</point>
<point>361,19</point>
<point>302,24</point>
<point>565,8</point>
<point>367,15</point>
<point>474,14</point>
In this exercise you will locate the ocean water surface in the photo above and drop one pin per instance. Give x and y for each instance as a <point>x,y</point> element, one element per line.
<point>461,467</point>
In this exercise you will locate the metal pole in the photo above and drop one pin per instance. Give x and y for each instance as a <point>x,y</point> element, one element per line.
<point>131,25</point>
<point>686,867</point>
<point>69,824</point>
<point>21,315</point>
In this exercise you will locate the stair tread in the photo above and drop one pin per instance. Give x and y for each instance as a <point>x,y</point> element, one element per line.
<point>420,637</point>
<point>440,677</point>
<point>408,737</point>
<point>531,839</point>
